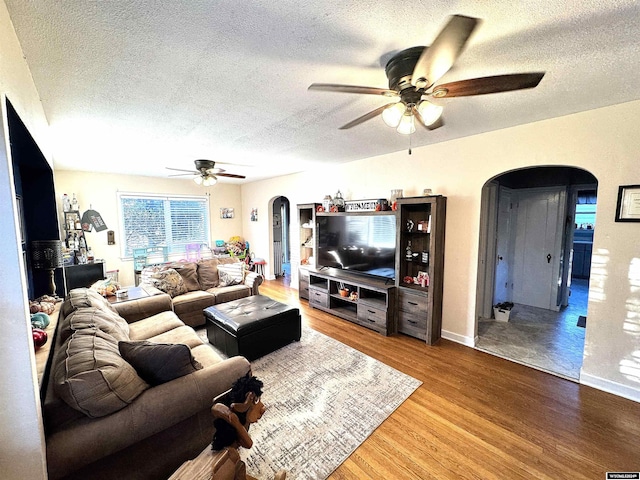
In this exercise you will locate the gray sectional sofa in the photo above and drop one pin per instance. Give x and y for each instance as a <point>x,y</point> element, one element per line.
<point>107,417</point>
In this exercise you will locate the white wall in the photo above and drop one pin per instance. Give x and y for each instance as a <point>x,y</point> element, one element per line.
<point>604,142</point>
<point>100,192</point>
<point>22,453</point>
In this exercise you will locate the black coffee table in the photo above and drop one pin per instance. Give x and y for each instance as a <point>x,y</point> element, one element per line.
<point>253,326</point>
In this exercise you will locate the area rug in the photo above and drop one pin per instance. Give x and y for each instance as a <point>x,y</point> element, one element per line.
<point>323,400</point>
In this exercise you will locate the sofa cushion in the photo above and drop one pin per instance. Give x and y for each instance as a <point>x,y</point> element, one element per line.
<point>159,363</point>
<point>154,325</point>
<point>169,281</point>
<point>189,273</point>
<point>208,273</point>
<point>93,317</point>
<point>227,294</point>
<point>184,334</point>
<point>84,297</point>
<point>90,375</point>
<point>231,274</point>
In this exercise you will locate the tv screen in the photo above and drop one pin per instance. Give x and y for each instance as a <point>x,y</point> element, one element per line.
<point>363,243</point>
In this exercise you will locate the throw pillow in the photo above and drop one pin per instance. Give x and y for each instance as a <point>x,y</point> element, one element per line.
<point>231,274</point>
<point>158,363</point>
<point>208,273</point>
<point>169,281</point>
<point>188,272</point>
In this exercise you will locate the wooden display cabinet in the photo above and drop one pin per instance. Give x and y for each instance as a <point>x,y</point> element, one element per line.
<point>420,265</point>
<point>307,224</point>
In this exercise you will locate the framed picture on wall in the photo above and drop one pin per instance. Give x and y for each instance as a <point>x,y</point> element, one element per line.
<point>226,213</point>
<point>254,214</point>
<point>628,208</point>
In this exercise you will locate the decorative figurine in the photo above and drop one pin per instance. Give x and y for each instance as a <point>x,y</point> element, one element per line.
<point>232,424</point>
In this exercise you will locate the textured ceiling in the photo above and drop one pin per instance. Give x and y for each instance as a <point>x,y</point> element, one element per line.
<point>137,86</point>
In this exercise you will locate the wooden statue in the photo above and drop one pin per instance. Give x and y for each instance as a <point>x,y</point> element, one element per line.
<point>232,424</point>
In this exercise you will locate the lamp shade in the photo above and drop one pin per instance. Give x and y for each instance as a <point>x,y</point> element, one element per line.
<point>46,254</point>
<point>407,125</point>
<point>429,112</point>
<point>393,114</point>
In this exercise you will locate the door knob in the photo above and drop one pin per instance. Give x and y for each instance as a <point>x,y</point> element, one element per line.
<point>549,258</point>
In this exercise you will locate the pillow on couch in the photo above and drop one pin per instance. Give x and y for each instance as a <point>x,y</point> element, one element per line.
<point>231,274</point>
<point>158,363</point>
<point>169,281</point>
<point>189,273</point>
<point>208,273</point>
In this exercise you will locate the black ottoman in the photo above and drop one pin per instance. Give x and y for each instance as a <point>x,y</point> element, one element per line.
<point>252,326</point>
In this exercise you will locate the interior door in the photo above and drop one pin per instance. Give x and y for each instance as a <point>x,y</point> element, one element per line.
<point>504,254</point>
<point>537,247</point>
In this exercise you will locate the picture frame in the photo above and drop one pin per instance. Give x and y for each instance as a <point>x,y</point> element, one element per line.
<point>254,214</point>
<point>628,207</point>
<point>226,212</point>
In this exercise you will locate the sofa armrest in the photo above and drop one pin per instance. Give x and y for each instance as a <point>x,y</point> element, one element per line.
<point>157,409</point>
<point>253,280</point>
<point>134,310</point>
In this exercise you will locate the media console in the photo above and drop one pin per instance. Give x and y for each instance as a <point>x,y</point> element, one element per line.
<point>373,308</point>
<point>412,304</point>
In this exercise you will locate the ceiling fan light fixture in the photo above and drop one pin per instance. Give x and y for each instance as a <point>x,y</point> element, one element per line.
<point>407,124</point>
<point>392,115</point>
<point>429,112</point>
<point>198,180</point>
<point>209,180</point>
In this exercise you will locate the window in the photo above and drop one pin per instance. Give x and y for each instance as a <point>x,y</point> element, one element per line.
<point>162,221</point>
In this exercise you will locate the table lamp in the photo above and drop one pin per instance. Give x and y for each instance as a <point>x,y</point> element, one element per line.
<point>47,255</point>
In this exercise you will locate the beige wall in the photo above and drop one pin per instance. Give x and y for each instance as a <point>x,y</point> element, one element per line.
<point>100,193</point>
<point>604,142</point>
<point>22,453</point>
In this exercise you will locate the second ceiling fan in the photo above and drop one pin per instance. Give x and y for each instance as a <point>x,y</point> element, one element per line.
<point>206,172</point>
<point>412,75</point>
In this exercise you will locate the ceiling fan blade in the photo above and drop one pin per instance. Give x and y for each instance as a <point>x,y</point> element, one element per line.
<point>184,174</point>
<point>334,87</point>
<point>230,175</point>
<point>365,117</point>
<point>181,170</point>
<point>437,124</point>
<point>215,171</point>
<point>484,85</point>
<point>437,59</point>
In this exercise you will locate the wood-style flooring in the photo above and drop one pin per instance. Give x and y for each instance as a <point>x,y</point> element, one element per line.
<point>479,416</point>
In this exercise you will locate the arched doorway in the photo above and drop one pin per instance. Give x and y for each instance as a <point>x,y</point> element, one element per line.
<point>281,247</point>
<point>537,229</point>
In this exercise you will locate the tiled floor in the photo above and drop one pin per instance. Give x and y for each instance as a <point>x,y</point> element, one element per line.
<point>546,340</point>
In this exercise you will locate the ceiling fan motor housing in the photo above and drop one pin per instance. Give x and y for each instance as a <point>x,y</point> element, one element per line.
<point>204,165</point>
<point>400,68</point>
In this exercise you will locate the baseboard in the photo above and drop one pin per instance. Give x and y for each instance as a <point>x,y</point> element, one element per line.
<point>454,337</point>
<point>609,386</point>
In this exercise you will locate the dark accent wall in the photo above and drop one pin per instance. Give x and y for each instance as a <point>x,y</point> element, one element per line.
<point>33,181</point>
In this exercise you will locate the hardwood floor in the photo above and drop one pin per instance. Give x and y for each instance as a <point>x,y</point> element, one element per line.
<point>479,416</point>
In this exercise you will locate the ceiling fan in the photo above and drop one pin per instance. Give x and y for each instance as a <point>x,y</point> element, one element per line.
<point>412,75</point>
<point>206,172</point>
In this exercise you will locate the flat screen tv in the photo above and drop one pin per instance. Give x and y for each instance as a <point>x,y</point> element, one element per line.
<point>358,242</point>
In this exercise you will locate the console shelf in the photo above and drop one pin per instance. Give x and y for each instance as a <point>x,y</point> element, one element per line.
<point>375,304</point>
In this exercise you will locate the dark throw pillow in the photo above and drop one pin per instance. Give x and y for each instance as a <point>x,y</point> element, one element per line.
<point>158,363</point>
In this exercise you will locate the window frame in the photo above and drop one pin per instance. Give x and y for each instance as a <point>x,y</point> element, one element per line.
<point>166,197</point>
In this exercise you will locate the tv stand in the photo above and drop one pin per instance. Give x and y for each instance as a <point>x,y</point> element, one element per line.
<point>373,308</point>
